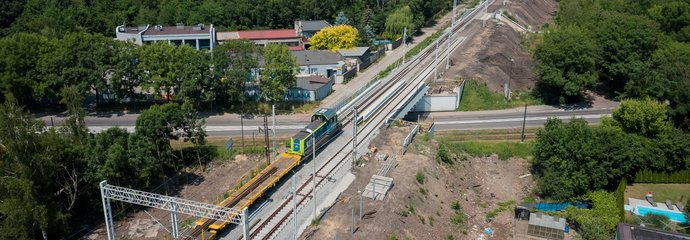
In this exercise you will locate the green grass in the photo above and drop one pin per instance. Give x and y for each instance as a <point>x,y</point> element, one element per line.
<point>504,149</point>
<point>455,205</point>
<point>502,206</point>
<point>476,96</point>
<point>420,177</point>
<point>458,218</point>
<point>662,192</point>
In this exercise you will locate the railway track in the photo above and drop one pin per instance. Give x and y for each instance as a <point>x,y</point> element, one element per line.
<point>419,68</point>
<point>408,68</point>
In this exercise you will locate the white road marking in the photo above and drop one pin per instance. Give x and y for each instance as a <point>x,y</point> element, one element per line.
<point>590,116</point>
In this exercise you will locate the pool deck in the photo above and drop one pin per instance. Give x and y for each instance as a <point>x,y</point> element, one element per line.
<point>634,203</point>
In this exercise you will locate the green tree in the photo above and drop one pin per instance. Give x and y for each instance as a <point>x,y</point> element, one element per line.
<point>75,126</point>
<point>644,117</point>
<point>566,64</point>
<point>126,74</point>
<point>598,222</point>
<point>398,20</point>
<point>672,76</point>
<point>165,67</point>
<point>279,72</point>
<point>199,83</point>
<point>19,76</point>
<point>626,43</point>
<point>672,16</point>
<point>79,59</point>
<point>341,19</point>
<point>572,158</point>
<point>234,61</point>
<point>29,165</point>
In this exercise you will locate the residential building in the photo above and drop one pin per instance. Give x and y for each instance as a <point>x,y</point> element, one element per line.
<point>358,54</point>
<point>324,63</point>
<point>310,87</point>
<point>199,36</point>
<point>626,231</point>
<point>307,29</point>
<point>288,37</point>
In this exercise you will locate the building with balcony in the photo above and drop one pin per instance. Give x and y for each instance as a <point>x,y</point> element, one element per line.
<point>199,36</point>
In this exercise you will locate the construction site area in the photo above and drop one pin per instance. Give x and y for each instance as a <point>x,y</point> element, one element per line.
<point>429,199</point>
<point>399,187</point>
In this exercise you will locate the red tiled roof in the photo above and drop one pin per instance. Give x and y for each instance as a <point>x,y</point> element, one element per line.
<point>295,48</point>
<point>268,34</point>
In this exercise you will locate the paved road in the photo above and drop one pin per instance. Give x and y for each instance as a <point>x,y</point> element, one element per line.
<point>513,118</point>
<point>497,119</point>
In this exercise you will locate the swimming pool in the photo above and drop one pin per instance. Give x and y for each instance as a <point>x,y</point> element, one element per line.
<point>673,216</point>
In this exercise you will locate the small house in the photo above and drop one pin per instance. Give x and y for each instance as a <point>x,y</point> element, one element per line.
<point>310,87</point>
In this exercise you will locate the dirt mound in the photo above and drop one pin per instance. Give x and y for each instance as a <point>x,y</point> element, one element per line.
<point>422,207</point>
<point>490,60</point>
<point>533,12</point>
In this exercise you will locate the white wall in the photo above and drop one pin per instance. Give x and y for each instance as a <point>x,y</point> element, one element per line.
<point>436,104</point>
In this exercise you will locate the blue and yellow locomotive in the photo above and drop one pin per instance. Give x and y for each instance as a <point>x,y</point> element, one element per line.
<point>324,125</point>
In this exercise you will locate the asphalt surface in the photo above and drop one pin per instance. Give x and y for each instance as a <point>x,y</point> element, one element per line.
<point>230,124</point>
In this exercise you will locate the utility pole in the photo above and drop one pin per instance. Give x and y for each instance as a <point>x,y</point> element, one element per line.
<point>404,40</point>
<point>242,126</point>
<point>354,139</point>
<point>273,109</point>
<point>435,61</point>
<point>313,159</point>
<point>524,119</point>
<point>512,63</point>
<point>455,3</point>
<point>360,206</point>
<point>266,141</point>
<point>450,38</point>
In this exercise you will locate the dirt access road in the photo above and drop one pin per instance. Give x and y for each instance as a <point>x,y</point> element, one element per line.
<point>497,54</point>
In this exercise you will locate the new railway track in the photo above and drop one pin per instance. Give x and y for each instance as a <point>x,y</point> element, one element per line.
<point>410,69</point>
<point>414,63</point>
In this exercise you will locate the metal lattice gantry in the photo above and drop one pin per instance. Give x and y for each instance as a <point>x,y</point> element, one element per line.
<point>172,204</point>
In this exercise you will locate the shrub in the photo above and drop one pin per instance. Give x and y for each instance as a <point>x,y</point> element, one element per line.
<point>455,205</point>
<point>442,155</point>
<point>420,177</point>
<point>458,218</point>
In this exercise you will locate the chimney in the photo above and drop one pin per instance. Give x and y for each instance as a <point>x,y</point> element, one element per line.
<point>179,25</point>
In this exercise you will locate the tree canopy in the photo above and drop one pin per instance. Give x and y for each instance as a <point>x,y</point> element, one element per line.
<point>279,72</point>
<point>567,59</point>
<point>336,37</point>
<point>397,21</point>
<point>644,117</point>
<point>638,49</point>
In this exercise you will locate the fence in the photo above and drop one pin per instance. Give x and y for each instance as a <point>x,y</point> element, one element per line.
<point>409,138</point>
<point>350,72</point>
<point>395,44</point>
<point>647,176</point>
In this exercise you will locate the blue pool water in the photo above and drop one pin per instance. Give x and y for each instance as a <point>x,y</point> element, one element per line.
<point>673,216</point>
